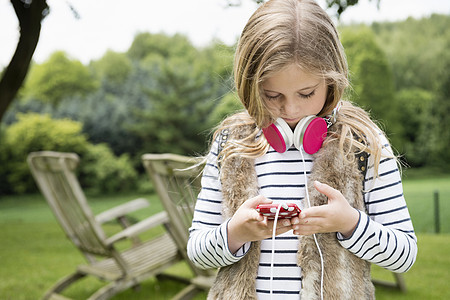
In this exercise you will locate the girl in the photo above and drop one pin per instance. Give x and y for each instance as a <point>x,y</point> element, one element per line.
<point>290,74</point>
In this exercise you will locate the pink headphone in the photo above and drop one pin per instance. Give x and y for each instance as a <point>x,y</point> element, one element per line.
<point>310,133</point>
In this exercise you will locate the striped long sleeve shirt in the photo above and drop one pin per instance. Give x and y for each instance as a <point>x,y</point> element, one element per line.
<point>384,235</point>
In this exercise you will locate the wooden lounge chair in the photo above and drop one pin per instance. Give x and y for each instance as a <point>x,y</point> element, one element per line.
<point>55,177</point>
<point>177,181</point>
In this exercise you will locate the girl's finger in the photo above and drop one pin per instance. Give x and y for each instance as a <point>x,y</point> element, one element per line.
<point>315,211</point>
<point>326,189</point>
<point>255,201</point>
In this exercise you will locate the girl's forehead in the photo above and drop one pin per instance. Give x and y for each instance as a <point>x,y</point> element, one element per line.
<point>291,75</point>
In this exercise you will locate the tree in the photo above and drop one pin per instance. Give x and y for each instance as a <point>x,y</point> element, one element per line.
<point>57,78</point>
<point>416,105</point>
<point>179,108</point>
<point>182,86</point>
<point>371,76</point>
<point>415,48</point>
<point>439,133</point>
<point>30,14</point>
<point>227,106</point>
<point>145,44</point>
<point>341,5</point>
<point>113,67</point>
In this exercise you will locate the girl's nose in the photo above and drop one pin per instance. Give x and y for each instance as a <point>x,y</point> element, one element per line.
<point>289,105</point>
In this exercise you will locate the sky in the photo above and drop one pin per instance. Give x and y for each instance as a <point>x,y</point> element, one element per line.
<point>112,25</point>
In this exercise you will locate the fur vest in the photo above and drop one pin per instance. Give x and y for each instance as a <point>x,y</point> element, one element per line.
<point>346,276</point>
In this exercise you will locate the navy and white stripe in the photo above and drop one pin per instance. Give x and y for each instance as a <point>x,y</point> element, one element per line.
<point>384,236</point>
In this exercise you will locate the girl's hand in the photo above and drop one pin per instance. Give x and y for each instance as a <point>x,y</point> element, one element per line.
<point>336,216</point>
<point>248,225</point>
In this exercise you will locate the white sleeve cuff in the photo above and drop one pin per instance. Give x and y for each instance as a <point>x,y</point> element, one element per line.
<point>360,229</point>
<point>227,253</point>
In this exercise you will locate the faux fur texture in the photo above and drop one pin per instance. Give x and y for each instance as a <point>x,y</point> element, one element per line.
<point>346,276</point>
<point>239,183</point>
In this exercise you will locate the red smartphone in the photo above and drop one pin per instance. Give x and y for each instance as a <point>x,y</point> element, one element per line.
<point>287,211</point>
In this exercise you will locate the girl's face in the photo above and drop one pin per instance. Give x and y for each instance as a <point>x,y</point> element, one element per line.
<point>292,94</point>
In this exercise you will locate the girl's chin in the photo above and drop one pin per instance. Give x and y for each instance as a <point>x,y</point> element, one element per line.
<point>292,122</point>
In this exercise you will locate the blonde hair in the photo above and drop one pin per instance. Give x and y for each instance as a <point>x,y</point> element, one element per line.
<point>284,32</point>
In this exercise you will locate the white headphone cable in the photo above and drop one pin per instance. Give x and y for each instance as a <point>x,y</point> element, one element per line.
<point>314,235</point>
<point>273,246</point>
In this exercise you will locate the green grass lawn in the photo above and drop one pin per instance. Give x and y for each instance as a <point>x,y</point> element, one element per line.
<point>34,252</point>
<point>419,195</point>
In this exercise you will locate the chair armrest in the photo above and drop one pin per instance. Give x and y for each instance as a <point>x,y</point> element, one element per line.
<point>138,228</point>
<point>121,210</point>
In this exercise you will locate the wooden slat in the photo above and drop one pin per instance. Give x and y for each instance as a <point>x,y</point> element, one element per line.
<point>147,256</point>
<point>58,297</point>
<point>177,181</point>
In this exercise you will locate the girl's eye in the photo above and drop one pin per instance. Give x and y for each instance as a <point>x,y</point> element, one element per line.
<point>308,95</point>
<point>273,97</point>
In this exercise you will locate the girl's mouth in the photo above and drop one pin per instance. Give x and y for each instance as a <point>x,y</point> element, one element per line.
<point>291,120</point>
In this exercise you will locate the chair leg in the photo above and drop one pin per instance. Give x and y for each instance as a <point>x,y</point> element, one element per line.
<point>165,276</point>
<point>113,288</point>
<point>63,284</point>
<point>108,291</point>
<point>187,293</point>
<point>400,282</point>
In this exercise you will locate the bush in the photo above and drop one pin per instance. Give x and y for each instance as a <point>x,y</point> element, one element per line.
<point>102,171</point>
<point>3,174</point>
<point>228,105</point>
<point>99,167</point>
<point>414,135</point>
<point>34,132</point>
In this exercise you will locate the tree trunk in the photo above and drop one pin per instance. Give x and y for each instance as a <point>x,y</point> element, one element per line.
<point>30,15</point>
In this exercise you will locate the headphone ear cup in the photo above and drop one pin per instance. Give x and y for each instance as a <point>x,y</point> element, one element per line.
<point>310,132</point>
<point>279,135</point>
